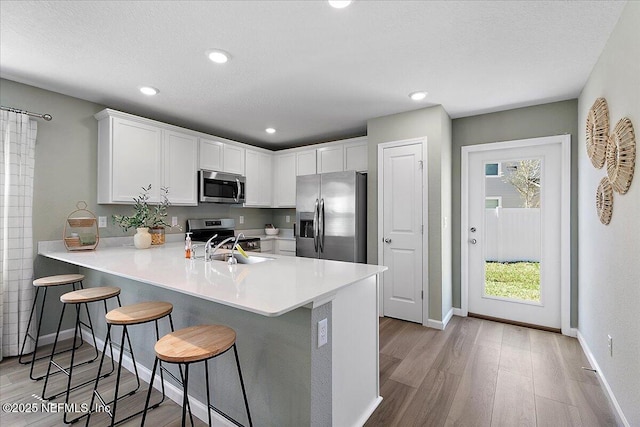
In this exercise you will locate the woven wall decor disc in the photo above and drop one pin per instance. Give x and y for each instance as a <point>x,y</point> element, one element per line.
<point>598,132</point>
<point>604,201</point>
<point>621,156</point>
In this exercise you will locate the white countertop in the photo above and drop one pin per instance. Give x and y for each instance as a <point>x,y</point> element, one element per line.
<point>270,288</point>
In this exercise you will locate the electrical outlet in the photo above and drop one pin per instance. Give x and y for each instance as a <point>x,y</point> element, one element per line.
<point>174,221</point>
<point>241,220</point>
<point>610,345</point>
<point>102,222</point>
<point>287,219</point>
<point>323,332</point>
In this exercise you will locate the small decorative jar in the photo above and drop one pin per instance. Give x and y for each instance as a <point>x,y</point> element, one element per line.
<point>157,235</point>
<point>142,238</point>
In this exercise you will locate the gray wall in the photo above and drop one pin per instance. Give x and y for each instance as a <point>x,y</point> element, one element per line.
<point>66,159</point>
<point>541,120</point>
<point>65,172</point>
<point>609,271</point>
<point>434,123</point>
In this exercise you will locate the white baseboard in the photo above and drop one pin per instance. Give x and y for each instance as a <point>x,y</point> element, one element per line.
<point>440,325</point>
<point>49,338</point>
<point>365,416</point>
<point>592,360</point>
<point>573,332</point>
<point>173,392</point>
<point>459,312</point>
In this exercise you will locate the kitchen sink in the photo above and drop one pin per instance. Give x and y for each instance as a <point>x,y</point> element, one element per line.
<point>241,260</point>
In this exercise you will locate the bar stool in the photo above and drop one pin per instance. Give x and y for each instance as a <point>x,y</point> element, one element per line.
<point>126,316</point>
<point>45,283</point>
<point>78,298</point>
<point>192,345</point>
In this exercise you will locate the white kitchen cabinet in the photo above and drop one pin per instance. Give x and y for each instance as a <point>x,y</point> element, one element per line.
<point>259,179</point>
<point>306,162</point>
<point>221,157</point>
<point>284,180</point>
<point>330,159</point>
<point>233,159</point>
<point>285,247</point>
<point>356,156</point>
<point>135,152</point>
<point>180,154</point>
<point>267,246</point>
<point>211,154</point>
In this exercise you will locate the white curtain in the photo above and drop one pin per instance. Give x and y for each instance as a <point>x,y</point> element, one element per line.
<point>16,235</point>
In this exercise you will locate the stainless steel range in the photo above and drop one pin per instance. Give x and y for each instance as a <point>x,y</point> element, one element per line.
<point>204,229</point>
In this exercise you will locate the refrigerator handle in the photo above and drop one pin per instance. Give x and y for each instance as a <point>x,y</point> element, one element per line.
<point>315,226</point>
<point>321,222</point>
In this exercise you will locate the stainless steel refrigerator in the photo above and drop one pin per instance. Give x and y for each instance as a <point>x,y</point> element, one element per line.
<point>331,216</point>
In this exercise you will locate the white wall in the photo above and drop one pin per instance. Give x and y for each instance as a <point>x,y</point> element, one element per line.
<point>609,271</point>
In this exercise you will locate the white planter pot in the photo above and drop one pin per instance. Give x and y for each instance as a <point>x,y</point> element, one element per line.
<point>142,238</point>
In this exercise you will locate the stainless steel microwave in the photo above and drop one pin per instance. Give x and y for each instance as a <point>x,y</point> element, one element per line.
<point>220,187</point>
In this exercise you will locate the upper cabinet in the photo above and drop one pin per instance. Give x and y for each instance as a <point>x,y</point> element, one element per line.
<point>331,159</point>
<point>306,162</point>
<point>259,179</point>
<point>284,180</point>
<point>221,157</point>
<point>135,152</point>
<point>356,156</point>
<point>350,155</point>
<point>211,154</point>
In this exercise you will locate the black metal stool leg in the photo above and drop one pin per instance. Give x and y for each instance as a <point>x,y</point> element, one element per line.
<point>185,394</point>
<point>206,374</point>
<point>73,354</point>
<point>244,392</point>
<point>146,405</point>
<point>27,335</point>
<point>53,351</point>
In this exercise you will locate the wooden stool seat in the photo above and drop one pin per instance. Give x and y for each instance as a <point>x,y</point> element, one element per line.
<point>139,313</point>
<point>195,343</point>
<point>82,296</point>
<point>61,279</point>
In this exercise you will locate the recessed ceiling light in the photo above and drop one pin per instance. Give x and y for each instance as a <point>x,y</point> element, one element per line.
<point>270,130</point>
<point>149,91</point>
<point>218,56</point>
<point>418,96</point>
<point>339,4</point>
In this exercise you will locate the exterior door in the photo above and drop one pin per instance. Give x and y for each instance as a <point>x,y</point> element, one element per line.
<point>514,201</point>
<point>402,231</point>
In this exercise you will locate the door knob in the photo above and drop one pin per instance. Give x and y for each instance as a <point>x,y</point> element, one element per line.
<point>473,229</point>
<point>387,240</point>
<point>473,241</point>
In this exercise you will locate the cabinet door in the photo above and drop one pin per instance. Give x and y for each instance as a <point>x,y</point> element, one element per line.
<point>259,179</point>
<point>233,159</point>
<point>136,160</point>
<point>285,180</point>
<point>330,159</point>
<point>180,168</point>
<point>306,162</point>
<point>356,157</point>
<point>211,155</point>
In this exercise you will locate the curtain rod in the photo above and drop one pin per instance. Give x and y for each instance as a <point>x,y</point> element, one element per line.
<point>47,117</point>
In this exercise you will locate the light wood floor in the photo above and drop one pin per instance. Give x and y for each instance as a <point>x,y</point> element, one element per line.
<point>475,373</point>
<point>16,387</point>
<point>483,373</point>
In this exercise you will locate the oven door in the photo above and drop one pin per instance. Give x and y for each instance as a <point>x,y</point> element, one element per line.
<point>217,187</point>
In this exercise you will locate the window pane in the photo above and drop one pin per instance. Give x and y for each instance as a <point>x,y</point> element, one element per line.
<point>491,203</point>
<point>491,169</point>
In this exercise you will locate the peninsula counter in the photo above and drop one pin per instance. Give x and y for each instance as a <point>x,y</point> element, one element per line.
<point>275,307</point>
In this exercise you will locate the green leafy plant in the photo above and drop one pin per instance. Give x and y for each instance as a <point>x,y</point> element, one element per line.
<point>145,214</point>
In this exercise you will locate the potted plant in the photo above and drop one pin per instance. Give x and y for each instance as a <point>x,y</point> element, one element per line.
<point>148,220</point>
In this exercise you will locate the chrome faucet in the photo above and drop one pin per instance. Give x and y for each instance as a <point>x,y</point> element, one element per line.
<point>207,248</point>
<point>233,259</point>
<point>209,256</point>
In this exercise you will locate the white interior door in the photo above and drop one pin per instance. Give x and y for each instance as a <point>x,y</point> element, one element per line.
<point>402,231</point>
<point>513,233</point>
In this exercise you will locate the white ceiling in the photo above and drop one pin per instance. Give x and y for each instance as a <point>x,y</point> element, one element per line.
<point>313,72</point>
